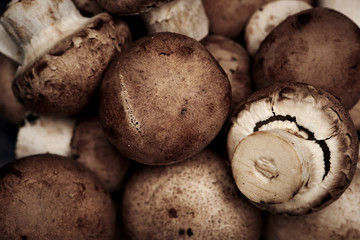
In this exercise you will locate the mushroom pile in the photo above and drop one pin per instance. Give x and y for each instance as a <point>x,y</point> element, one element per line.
<point>173,119</point>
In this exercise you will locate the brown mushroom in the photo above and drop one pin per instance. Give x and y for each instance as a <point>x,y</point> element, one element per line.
<point>64,53</point>
<point>163,99</point>
<point>194,199</point>
<point>52,197</point>
<point>293,148</point>
<point>129,7</point>
<point>318,46</point>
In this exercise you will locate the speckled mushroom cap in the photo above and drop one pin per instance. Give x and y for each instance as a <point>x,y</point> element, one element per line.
<point>235,61</point>
<point>52,197</point>
<point>130,7</point>
<point>63,81</point>
<point>318,46</point>
<point>164,99</point>
<point>194,199</point>
<point>316,120</point>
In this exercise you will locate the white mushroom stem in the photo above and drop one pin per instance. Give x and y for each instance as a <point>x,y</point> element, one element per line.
<point>8,46</point>
<point>45,135</point>
<point>37,26</point>
<point>350,8</point>
<point>186,17</point>
<point>270,166</point>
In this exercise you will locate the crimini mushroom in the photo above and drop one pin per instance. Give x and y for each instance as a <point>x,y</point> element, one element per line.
<point>193,199</point>
<point>266,18</point>
<point>187,17</point>
<point>64,53</point>
<point>235,61</point>
<point>339,221</point>
<point>129,7</point>
<point>90,147</point>
<point>320,47</point>
<point>293,148</point>
<point>350,8</point>
<point>88,7</point>
<point>52,197</point>
<point>10,108</point>
<point>163,99</point>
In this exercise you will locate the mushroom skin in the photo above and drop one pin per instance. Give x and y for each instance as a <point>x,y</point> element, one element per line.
<point>88,7</point>
<point>155,102</point>
<point>235,61</point>
<point>90,147</point>
<point>52,197</point>
<point>65,54</point>
<point>194,199</point>
<point>130,7</point>
<point>10,108</point>
<point>295,51</point>
<point>340,220</point>
<point>304,119</point>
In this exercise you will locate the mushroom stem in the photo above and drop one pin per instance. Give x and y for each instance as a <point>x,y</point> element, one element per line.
<point>8,47</point>
<point>186,17</point>
<point>37,26</point>
<point>270,166</point>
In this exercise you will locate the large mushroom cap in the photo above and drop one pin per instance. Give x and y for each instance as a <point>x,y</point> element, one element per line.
<point>317,121</point>
<point>164,99</point>
<point>52,197</point>
<point>320,47</point>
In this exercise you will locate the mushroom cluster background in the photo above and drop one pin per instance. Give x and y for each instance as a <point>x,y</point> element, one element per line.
<point>165,119</point>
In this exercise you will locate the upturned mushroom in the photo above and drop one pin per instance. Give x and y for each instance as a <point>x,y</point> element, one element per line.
<point>266,18</point>
<point>293,148</point>
<point>163,99</point>
<point>193,199</point>
<point>64,53</point>
<point>51,197</point>
<point>235,61</point>
<point>297,48</point>
<point>340,220</point>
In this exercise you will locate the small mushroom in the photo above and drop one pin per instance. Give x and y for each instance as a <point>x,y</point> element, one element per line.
<point>186,17</point>
<point>266,18</point>
<point>130,7</point>
<point>90,147</point>
<point>163,99</point>
<point>193,199</point>
<point>10,108</point>
<point>340,220</point>
<point>317,46</point>
<point>52,197</point>
<point>64,53</point>
<point>350,8</point>
<point>235,61</point>
<point>293,148</point>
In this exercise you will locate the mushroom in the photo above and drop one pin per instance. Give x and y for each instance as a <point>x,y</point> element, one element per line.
<point>297,48</point>
<point>235,61</point>
<point>186,17</point>
<point>293,148</point>
<point>195,199</point>
<point>88,7</point>
<point>53,197</point>
<point>355,115</point>
<point>163,99</point>
<point>130,7</point>
<point>340,220</point>
<point>228,17</point>
<point>64,53</point>
<point>350,8</point>
<point>43,134</point>
<point>10,108</point>
<point>90,147</point>
<point>266,18</point>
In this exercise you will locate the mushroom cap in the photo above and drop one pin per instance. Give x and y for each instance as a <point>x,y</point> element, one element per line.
<point>319,120</point>
<point>63,81</point>
<point>196,198</point>
<point>340,220</point>
<point>164,99</point>
<point>130,7</point>
<point>10,108</point>
<point>88,7</point>
<point>90,146</point>
<point>228,17</point>
<point>297,48</point>
<point>235,61</point>
<point>53,197</point>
